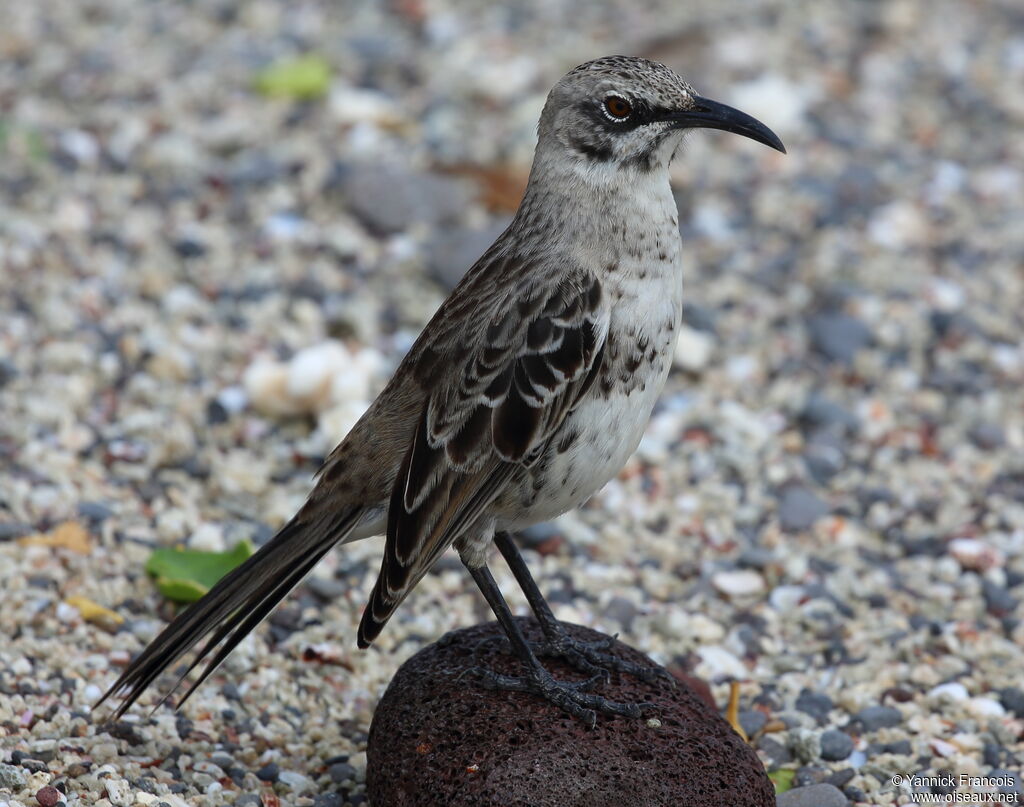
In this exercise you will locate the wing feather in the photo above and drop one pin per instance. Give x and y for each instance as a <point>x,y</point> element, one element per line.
<point>499,395</point>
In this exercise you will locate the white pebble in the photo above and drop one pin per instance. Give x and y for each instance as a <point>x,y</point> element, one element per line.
<point>786,598</point>
<point>67,614</point>
<point>717,662</point>
<point>294,780</point>
<point>81,145</point>
<point>233,399</point>
<point>350,383</point>
<point>946,295</point>
<point>898,224</point>
<point>266,383</point>
<point>942,748</point>
<point>338,421</point>
<point>774,97</point>
<point>712,221</point>
<point>119,792</point>
<point>951,691</point>
<point>986,707</point>
<point>856,759</point>
<point>351,105</point>
<point>739,583</point>
<point>704,629</point>
<point>311,370</point>
<point>21,666</point>
<point>693,349</point>
<point>207,538</point>
<point>974,554</point>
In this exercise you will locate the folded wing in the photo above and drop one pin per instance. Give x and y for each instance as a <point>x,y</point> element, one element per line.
<point>498,394</point>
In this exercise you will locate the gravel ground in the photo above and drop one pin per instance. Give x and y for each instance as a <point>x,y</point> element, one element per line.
<point>202,287</point>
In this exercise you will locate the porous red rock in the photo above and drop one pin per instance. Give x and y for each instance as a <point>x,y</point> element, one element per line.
<point>441,739</point>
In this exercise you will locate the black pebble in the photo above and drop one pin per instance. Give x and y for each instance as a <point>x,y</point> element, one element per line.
<point>1012,698</point>
<point>815,704</point>
<point>269,772</point>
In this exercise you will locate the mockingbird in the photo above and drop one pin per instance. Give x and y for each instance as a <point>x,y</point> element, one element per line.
<point>526,392</point>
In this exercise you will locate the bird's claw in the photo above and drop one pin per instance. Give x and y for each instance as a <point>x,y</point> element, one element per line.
<point>573,697</point>
<point>590,658</point>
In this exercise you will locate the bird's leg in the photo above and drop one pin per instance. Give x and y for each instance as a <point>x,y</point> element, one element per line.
<point>573,697</point>
<point>588,657</point>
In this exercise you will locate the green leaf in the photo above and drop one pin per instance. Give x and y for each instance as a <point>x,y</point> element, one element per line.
<point>782,779</point>
<point>305,78</point>
<point>185,575</point>
<point>180,590</point>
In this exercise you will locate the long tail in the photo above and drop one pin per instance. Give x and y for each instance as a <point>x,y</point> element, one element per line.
<point>236,604</point>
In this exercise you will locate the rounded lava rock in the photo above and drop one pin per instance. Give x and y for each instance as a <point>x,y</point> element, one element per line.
<point>439,738</point>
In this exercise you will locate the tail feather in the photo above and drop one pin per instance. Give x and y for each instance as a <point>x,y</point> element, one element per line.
<point>235,605</point>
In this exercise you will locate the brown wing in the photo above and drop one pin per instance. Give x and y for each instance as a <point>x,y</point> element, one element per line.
<point>497,397</point>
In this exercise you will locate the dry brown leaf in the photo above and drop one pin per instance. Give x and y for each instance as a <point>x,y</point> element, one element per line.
<point>69,535</point>
<point>94,612</point>
<point>500,187</point>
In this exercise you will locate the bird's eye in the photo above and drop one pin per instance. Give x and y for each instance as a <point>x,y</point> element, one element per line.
<point>617,108</point>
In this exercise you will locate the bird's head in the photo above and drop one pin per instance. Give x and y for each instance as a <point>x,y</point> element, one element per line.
<point>623,111</point>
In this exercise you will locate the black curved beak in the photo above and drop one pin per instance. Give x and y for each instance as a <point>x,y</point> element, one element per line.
<point>708,114</point>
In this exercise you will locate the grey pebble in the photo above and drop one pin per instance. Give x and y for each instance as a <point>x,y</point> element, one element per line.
<point>450,253</point>
<point>249,800</point>
<point>841,777</point>
<point>699,318</point>
<point>825,457</point>
<point>820,412</point>
<point>988,436</point>
<point>231,692</point>
<point>799,508</point>
<point>254,167</point>
<point>10,530</point>
<point>327,589</point>
<point>822,795</point>
<point>390,198</point>
<point>12,778</point>
<point>836,745</point>
<point>752,721</point>
<point>998,599</point>
<point>8,372</point>
<point>328,800</point>
<point>807,775</point>
<point>815,704</point>
<point>341,772</point>
<point>756,557</point>
<point>873,718</point>
<point>622,612</point>
<point>776,752</point>
<point>94,511</point>
<point>838,336</point>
